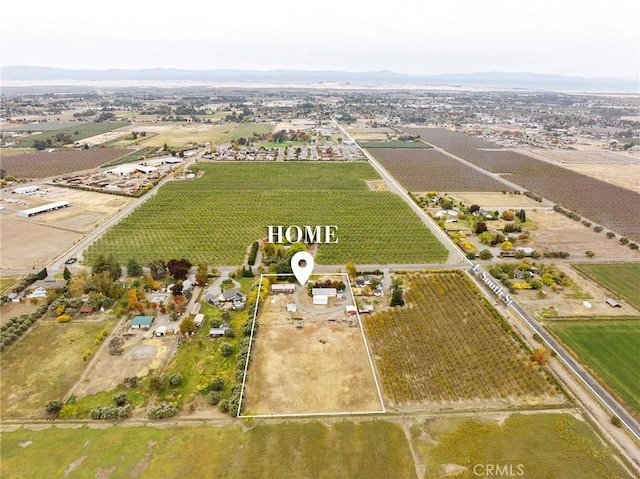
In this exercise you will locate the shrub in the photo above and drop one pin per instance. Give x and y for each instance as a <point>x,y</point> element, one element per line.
<point>53,407</point>
<point>120,399</point>
<point>64,318</point>
<point>598,228</point>
<point>540,356</point>
<point>161,411</point>
<point>175,379</point>
<point>113,413</point>
<point>217,384</point>
<point>214,397</point>
<point>508,215</point>
<point>615,420</point>
<point>226,349</point>
<point>624,241</point>
<point>223,405</point>
<point>485,254</point>
<point>611,234</point>
<point>68,411</point>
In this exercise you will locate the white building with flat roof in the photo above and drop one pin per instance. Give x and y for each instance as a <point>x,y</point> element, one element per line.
<point>43,209</point>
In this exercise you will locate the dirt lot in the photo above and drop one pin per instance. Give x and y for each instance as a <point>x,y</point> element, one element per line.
<point>139,356</point>
<point>320,368</point>
<point>556,232</point>
<point>33,242</point>
<point>618,168</point>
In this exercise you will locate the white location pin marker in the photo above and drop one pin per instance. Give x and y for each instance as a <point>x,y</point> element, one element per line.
<point>302,272</point>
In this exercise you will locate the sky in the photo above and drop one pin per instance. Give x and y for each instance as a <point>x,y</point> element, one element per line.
<point>567,37</point>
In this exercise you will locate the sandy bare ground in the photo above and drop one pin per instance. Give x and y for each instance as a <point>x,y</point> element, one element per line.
<point>556,232</point>
<point>626,176</point>
<point>321,368</point>
<point>34,242</point>
<point>615,167</point>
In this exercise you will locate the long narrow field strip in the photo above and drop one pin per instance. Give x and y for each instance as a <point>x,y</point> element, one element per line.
<point>446,345</point>
<point>422,169</point>
<point>495,161</point>
<point>213,219</point>
<point>622,279</point>
<point>443,138</point>
<point>310,449</point>
<point>393,144</point>
<point>44,164</point>
<point>611,348</point>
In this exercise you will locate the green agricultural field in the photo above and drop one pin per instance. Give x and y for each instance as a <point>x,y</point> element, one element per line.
<point>43,366</point>
<point>214,218</point>
<point>246,130</point>
<point>78,131</point>
<point>345,449</point>
<point>610,348</point>
<point>550,446</point>
<point>622,279</point>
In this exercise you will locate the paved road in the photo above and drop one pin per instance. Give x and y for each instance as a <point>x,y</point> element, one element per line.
<point>455,254</point>
<point>591,384</point>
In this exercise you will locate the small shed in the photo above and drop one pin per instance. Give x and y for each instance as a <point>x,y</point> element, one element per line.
<point>86,310</point>
<point>161,331</point>
<point>292,308</point>
<point>142,322</point>
<point>350,309</point>
<point>198,320</point>
<point>613,303</point>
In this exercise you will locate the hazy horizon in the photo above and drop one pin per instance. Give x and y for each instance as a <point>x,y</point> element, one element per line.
<point>583,39</point>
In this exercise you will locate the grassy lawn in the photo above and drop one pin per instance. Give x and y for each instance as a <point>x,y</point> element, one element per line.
<point>15,151</point>
<point>246,130</point>
<point>182,134</point>
<point>622,279</point>
<point>543,446</point>
<point>611,348</point>
<point>6,282</point>
<point>185,218</point>
<point>43,366</point>
<point>368,449</point>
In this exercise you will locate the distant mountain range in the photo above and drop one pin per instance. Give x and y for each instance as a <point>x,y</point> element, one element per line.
<point>531,81</point>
